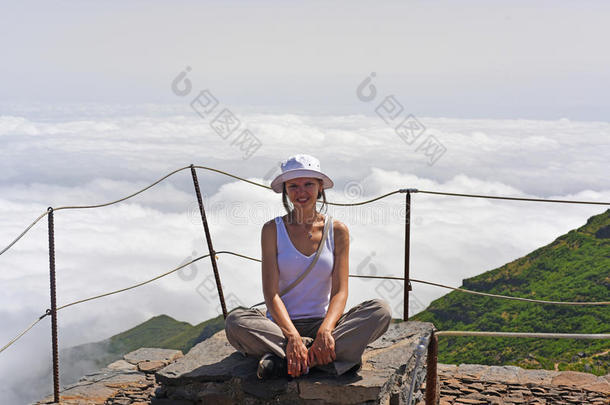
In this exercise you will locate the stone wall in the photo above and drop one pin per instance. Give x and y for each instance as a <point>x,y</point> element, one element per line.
<point>509,385</point>
<point>213,373</point>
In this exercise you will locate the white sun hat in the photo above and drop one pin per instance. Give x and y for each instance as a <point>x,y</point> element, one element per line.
<point>300,166</point>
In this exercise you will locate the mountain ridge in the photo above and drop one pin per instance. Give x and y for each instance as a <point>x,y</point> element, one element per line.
<point>161,331</point>
<point>574,267</point>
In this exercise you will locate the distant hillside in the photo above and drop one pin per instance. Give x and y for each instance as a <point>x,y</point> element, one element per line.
<point>160,331</point>
<point>574,267</point>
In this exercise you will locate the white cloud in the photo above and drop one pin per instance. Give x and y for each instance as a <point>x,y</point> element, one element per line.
<point>68,161</point>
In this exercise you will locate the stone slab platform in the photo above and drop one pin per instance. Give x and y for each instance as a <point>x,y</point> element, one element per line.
<point>213,372</point>
<point>124,382</point>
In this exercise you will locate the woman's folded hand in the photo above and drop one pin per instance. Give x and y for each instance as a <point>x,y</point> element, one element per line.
<point>296,356</point>
<point>322,351</point>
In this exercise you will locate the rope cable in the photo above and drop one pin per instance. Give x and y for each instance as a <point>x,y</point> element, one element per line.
<point>365,202</point>
<point>511,298</point>
<point>232,175</point>
<point>23,333</point>
<point>267,187</point>
<point>251,258</point>
<point>89,206</point>
<point>124,198</point>
<point>514,198</point>
<point>100,296</point>
<point>451,288</point>
<point>24,232</point>
<point>163,178</point>
<point>351,275</point>
<point>133,286</point>
<point>524,334</point>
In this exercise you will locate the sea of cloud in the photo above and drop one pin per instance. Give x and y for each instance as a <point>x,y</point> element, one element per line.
<point>64,157</point>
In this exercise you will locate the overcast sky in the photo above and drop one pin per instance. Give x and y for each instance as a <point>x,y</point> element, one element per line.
<point>468,59</point>
<point>510,100</point>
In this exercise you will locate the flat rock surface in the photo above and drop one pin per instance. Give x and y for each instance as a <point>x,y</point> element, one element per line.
<point>215,361</point>
<point>121,365</point>
<point>119,383</point>
<point>152,354</point>
<point>98,387</point>
<point>212,360</point>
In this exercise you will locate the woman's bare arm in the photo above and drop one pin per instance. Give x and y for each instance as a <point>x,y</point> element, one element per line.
<point>296,352</point>
<point>271,276</point>
<point>340,276</point>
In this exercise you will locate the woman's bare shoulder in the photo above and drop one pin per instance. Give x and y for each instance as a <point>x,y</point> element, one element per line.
<point>269,228</point>
<point>272,222</point>
<point>340,229</point>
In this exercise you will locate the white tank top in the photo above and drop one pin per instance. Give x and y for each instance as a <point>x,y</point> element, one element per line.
<point>310,298</point>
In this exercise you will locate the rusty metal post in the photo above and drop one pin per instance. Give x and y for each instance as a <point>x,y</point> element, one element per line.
<point>407,287</point>
<point>209,240</point>
<point>432,394</point>
<point>53,310</point>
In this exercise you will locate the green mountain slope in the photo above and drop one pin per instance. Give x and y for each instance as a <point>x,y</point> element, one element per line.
<point>164,332</point>
<point>574,267</point>
<point>160,331</point>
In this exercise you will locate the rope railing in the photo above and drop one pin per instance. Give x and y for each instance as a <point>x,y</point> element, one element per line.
<point>259,260</point>
<point>101,296</point>
<point>507,297</point>
<point>26,330</point>
<point>523,334</point>
<point>403,190</point>
<point>432,395</point>
<point>406,279</point>
<point>133,286</point>
<point>513,198</point>
<point>512,298</point>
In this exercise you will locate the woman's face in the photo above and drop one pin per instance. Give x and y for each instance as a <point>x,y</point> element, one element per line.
<point>303,191</point>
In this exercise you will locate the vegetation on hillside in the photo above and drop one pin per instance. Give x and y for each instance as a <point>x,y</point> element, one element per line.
<point>160,331</point>
<point>574,267</point>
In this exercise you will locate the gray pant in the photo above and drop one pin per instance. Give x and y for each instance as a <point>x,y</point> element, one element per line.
<point>252,333</point>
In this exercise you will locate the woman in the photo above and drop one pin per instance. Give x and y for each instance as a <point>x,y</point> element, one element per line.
<point>313,309</point>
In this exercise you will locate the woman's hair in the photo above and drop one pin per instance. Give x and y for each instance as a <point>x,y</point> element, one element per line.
<point>289,207</point>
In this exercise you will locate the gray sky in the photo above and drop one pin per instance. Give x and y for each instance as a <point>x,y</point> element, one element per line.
<point>468,59</point>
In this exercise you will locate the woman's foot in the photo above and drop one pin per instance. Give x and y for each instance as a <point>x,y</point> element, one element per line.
<point>270,366</point>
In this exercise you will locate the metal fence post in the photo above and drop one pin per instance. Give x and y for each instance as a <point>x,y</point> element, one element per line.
<point>432,394</point>
<point>53,310</point>
<point>209,240</point>
<point>407,286</point>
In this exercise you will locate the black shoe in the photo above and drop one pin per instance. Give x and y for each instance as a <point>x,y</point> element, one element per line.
<point>330,369</point>
<point>354,369</point>
<point>270,366</point>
